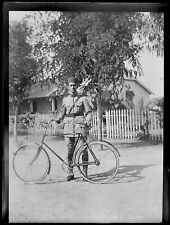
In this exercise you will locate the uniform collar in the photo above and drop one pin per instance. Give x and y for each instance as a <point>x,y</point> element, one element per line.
<point>74,95</point>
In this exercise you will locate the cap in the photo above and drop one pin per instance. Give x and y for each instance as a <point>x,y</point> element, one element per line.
<point>72,80</point>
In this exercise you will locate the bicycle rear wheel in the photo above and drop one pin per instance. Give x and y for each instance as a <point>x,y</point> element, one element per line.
<point>31,164</point>
<point>103,162</point>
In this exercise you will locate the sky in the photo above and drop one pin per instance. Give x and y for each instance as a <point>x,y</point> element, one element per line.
<point>153,66</point>
<point>153,69</point>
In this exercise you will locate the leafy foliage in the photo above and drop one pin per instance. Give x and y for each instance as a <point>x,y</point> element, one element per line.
<point>93,45</point>
<point>157,105</point>
<point>77,43</point>
<point>150,32</point>
<point>22,68</point>
<point>41,37</point>
<point>96,45</point>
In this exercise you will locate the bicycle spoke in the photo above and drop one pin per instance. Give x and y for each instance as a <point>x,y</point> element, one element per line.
<point>30,165</point>
<point>102,162</point>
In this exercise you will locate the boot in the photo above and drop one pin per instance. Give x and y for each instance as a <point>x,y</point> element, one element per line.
<point>85,171</point>
<point>71,174</point>
<point>70,177</point>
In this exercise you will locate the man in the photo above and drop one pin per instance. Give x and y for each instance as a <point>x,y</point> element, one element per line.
<point>76,113</point>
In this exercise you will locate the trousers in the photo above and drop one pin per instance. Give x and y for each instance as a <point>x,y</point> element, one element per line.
<point>70,142</point>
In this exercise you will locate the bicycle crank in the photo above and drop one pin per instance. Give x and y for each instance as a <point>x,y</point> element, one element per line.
<point>97,162</point>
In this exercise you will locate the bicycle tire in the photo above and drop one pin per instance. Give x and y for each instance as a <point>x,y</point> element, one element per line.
<point>103,170</point>
<point>112,146</point>
<point>31,165</point>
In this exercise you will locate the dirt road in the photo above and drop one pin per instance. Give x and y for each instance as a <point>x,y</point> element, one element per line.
<point>135,195</point>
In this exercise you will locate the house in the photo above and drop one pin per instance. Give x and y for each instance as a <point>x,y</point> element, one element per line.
<point>141,92</point>
<point>46,99</point>
<point>41,100</point>
<point>133,91</point>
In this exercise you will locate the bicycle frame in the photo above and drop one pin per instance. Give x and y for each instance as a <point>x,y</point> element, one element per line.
<point>78,136</point>
<point>92,153</point>
<point>48,147</point>
<point>41,146</point>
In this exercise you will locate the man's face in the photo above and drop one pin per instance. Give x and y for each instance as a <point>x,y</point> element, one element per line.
<point>72,88</point>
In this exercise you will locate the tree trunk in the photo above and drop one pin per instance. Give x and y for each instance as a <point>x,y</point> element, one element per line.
<point>15,121</point>
<point>99,118</point>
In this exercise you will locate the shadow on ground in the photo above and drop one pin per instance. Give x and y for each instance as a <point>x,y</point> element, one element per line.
<point>136,144</point>
<point>130,173</point>
<point>126,174</point>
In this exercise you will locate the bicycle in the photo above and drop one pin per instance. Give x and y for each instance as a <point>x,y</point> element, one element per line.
<point>32,164</point>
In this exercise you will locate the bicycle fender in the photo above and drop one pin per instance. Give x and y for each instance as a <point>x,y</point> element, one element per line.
<point>108,144</point>
<point>113,147</point>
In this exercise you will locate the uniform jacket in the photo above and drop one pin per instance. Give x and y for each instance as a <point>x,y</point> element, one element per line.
<point>75,113</point>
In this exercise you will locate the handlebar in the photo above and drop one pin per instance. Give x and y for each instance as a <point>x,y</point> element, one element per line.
<point>46,124</point>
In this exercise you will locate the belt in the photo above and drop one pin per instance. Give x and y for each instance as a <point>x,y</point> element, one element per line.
<point>74,114</point>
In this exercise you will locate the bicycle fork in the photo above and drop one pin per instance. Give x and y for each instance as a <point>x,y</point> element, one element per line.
<point>36,156</point>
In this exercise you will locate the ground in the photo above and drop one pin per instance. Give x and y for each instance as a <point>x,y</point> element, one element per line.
<point>134,195</point>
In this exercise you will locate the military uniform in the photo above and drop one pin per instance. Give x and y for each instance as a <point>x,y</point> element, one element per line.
<point>75,114</point>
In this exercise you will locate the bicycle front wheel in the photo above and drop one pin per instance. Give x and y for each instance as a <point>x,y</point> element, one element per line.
<point>102,162</point>
<point>31,164</point>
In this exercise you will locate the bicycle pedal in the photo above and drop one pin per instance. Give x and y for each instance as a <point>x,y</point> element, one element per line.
<point>65,168</point>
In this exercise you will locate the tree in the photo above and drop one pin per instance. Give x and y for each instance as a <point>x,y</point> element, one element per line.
<point>94,45</point>
<point>157,105</point>
<point>150,32</point>
<point>22,68</point>
<point>41,36</point>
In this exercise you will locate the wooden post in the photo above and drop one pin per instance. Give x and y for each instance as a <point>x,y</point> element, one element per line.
<point>136,121</point>
<point>142,117</point>
<point>114,123</point>
<point>119,123</point>
<point>107,123</point>
<point>139,119</point>
<point>133,123</point>
<point>129,114</point>
<point>122,123</point>
<point>15,121</point>
<point>99,118</point>
<point>151,119</point>
<point>52,104</point>
<point>109,120</point>
<point>95,124</point>
<point>125,123</point>
<point>31,105</point>
<point>155,127</point>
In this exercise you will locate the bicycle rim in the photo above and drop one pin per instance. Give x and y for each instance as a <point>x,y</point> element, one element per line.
<point>102,164</point>
<point>28,167</point>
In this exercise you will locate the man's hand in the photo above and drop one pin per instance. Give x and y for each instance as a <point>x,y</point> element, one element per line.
<point>88,124</point>
<point>57,121</point>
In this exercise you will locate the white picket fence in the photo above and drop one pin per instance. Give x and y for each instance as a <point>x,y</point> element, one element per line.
<point>116,124</point>
<point>124,124</point>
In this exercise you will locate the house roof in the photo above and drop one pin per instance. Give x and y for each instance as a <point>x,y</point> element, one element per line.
<point>45,91</point>
<point>140,83</point>
<point>50,90</point>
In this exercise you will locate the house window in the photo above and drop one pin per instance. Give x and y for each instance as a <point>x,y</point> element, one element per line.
<point>129,95</point>
<point>55,103</point>
<point>34,106</point>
